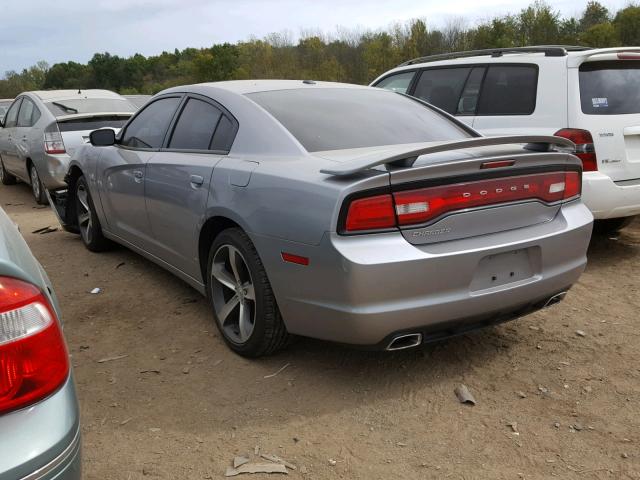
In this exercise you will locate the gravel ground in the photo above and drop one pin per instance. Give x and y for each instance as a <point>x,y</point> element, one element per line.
<point>550,402</point>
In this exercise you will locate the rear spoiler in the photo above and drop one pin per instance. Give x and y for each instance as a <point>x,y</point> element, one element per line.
<point>577,59</point>
<point>406,158</point>
<point>82,116</point>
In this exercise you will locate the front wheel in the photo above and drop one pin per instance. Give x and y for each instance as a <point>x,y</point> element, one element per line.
<point>88,222</point>
<point>244,306</point>
<point>36,186</point>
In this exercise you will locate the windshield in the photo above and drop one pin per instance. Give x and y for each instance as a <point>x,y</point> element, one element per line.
<point>342,118</point>
<point>610,87</point>
<point>72,106</point>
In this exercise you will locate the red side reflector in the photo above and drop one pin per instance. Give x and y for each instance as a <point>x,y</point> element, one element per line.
<point>371,213</point>
<point>291,258</point>
<point>497,164</point>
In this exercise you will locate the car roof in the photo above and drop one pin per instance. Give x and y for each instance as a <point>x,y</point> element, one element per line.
<point>242,87</point>
<point>49,95</point>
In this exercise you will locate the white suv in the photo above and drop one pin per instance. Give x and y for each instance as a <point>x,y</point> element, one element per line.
<point>591,96</point>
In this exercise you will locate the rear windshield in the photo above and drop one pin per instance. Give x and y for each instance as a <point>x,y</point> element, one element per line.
<point>63,107</point>
<point>610,87</point>
<point>342,118</point>
<point>93,123</point>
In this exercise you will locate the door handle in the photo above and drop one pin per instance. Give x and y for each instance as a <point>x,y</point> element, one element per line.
<point>137,176</point>
<point>196,180</point>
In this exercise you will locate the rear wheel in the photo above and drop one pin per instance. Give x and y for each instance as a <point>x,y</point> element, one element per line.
<point>610,226</point>
<point>5,177</point>
<point>88,223</point>
<point>243,303</point>
<point>36,185</point>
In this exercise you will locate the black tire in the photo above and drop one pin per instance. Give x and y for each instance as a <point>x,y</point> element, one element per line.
<point>88,223</point>
<point>269,333</point>
<point>36,186</point>
<point>5,177</point>
<point>611,226</point>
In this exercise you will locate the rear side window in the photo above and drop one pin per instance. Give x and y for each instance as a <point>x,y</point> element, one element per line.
<point>195,127</point>
<point>397,83</point>
<point>509,90</point>
<point>12,115</point>
<point>442,87</point>
<point>29,113</point>
<point>224,136</point>
<point>610,87</point>
<point>148,128</point>
<point>468,102</point>
<point>343,118</point>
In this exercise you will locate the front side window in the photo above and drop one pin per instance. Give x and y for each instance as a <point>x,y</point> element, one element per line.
<point>397,83</point>
<point>342,118</point>
<point>610,87</point>
<point>442,87</point>
<point>12,115</point>
<point>29,113</point>
<point>195,127</point>
<point>509,90</point>
<point>148,128</point>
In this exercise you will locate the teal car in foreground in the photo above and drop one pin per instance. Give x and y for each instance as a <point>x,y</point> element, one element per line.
<point>39,415</point>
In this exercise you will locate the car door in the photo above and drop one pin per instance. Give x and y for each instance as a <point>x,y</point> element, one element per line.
<point>8,135</point>
<point>452,89</point>
<point>178,179</point>
<point>28,140</point>
<point>122,169</point>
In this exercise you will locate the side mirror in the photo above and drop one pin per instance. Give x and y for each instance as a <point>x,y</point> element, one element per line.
<point>102,138</point>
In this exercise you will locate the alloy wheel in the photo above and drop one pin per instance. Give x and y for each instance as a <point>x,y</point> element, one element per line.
<point>84,213</point>
<point>233,294</point>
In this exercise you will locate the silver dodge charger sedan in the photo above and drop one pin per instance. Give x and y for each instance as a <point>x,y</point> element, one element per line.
<point>39,416</point>
<point>340,212</point>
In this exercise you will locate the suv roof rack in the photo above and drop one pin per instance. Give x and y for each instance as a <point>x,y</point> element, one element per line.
<point>548,50</point>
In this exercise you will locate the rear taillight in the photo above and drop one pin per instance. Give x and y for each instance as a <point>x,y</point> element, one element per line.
<point>53,143</point>
<point>33,356</point>
<point>585,149</point>
<point>419,206</point>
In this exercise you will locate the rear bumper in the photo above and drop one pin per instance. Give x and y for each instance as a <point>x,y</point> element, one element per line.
<point>52,170</point>
<point>42,442</point>
<point>607,199</point>
<point>363,289</point>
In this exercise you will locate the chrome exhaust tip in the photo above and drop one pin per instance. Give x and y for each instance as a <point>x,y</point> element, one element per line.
<point>402,342</point>
<point>557,298</point>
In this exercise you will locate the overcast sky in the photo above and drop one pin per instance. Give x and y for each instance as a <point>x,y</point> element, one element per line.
<point>65,30</point>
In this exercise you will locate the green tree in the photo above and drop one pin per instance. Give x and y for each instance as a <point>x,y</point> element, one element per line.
<point>595,13</point>
<point>600,35</point>
<point>627,24</point>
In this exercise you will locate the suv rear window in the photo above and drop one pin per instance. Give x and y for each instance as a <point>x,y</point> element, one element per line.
<point>610,87</point>
<point>342,118</point>
<point>509,90</point>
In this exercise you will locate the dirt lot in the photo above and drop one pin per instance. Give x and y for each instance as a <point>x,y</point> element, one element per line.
<point>181,405</point>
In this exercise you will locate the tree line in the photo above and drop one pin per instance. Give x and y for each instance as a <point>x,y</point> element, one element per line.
<point>347,55</point>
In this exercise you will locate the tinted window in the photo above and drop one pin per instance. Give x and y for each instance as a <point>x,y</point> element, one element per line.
<point>195,127</point>
<point>147,130</point>
<point>442,87</point>
<point>469,100</point>
<point>340,118</point>
<point>72,106</point>
<point>29,113</point>
<point>610,88</point>
<point>509,90</point>
<point>398,83</point>
<point>225,133</point>
<point>12,114</point>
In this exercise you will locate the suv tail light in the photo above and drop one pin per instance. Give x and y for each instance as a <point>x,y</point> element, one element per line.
<point>53,143</point>
<point>413,207</point>
<point>585,149</point>
<point>33,356</point>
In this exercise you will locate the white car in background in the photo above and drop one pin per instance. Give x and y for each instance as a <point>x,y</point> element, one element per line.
<point>42,129</point>
<point>590,96</point>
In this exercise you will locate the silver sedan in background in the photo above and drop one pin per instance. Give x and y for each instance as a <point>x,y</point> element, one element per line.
<point>39,416</point>
<point>42,129</point>
<point>340,212</point>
